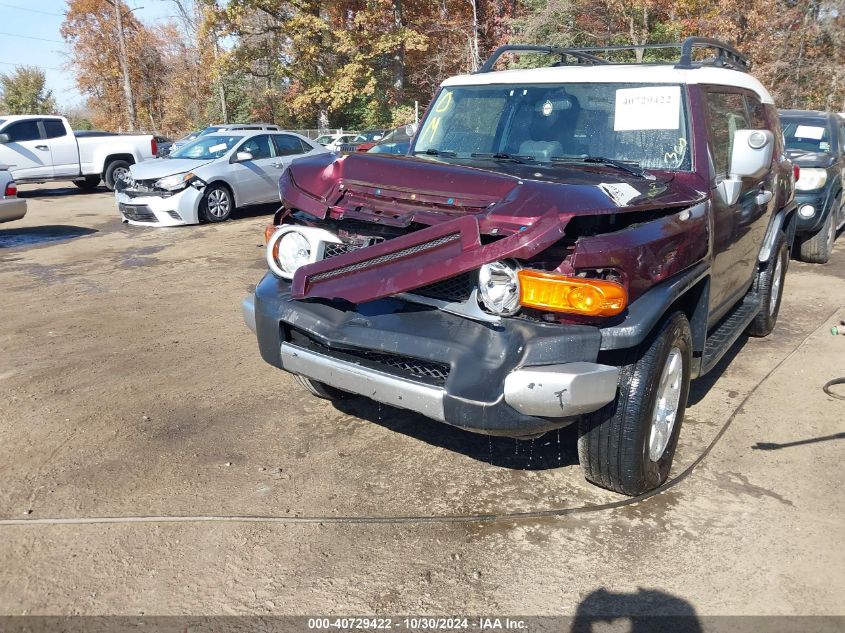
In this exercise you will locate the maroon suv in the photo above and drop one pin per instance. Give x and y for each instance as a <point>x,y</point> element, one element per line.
<point>564,244</point>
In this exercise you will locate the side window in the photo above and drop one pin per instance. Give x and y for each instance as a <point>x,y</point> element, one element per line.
<point>258,146</point>
<point>54,128</point>
<point>726,115</point>
<point>23,131</point>
<point>756,113</point>
<point>287,145</point>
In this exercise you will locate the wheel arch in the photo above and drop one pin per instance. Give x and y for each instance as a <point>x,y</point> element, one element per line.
<point>218,181</point>
<point>108,160</point>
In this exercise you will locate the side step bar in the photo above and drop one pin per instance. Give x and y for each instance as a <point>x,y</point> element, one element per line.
<point>728,331</point>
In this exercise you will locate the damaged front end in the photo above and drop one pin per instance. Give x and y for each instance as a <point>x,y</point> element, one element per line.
<point>477,298</point>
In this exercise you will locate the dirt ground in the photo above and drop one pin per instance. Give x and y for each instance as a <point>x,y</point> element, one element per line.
<point>129,387</point>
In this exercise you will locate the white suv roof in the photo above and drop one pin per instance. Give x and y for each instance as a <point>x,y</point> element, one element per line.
<point>616,73</point>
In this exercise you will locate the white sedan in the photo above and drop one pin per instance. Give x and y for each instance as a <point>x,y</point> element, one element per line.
<point>210,177</point>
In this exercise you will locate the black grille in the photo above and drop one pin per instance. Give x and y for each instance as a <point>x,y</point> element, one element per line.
<point>458,288</point>
<point>427,371</point>
<point>138,212</point>
<point>175,215</point>
<point>333,250</point>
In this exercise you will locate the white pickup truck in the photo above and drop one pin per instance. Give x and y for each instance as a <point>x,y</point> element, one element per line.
<point>39,148</point>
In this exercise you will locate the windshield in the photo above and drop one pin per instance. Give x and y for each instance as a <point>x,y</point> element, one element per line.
<point>808,135</point>
<point>643,124</point>
<point>207,147</point>
<point>323,140</point>
<point>209,130</point>
<point>370,135</point>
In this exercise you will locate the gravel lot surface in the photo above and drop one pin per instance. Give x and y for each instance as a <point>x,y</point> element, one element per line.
<point>129,387</point>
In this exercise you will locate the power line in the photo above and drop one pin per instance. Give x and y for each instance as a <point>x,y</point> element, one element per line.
<point>30,37</point>
<point>25,64</point>
<point>13,6</point>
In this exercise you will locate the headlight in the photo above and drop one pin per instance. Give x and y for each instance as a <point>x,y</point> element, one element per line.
<point>498,285</point>
<point>174,182</point>
<point>811,178</point>
<point>291,247</point>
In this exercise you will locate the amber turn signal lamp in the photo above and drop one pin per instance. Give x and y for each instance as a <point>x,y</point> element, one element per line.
<point>558,293</point>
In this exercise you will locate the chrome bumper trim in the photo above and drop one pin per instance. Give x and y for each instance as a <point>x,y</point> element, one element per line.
<point>556,391</point>
<point>372,383</point>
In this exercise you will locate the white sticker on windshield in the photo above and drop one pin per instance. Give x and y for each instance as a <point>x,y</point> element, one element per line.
<point>648,108</point>
<point>217,148</point>
<point>620,192</point>
<point>809,131</point>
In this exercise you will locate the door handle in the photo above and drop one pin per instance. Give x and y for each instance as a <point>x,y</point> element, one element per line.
<point>764,197</point>
<point>42,147</point>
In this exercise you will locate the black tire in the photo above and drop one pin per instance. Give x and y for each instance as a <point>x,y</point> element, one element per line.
<point>614,442</point>
<point>817,248</point>
<point>114,170</point>
<point>321,390</point>
<point>89,183</point>
<point>217,203</point>
<point>769,285</point>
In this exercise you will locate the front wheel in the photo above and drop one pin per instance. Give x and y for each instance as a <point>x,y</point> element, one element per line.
<point>628,445</point>
<point>89,183</point>
<point>321,390</point>
<point>817,248</point>
<point>217,204</point>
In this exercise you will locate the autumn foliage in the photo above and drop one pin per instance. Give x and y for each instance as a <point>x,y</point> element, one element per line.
<point>359,63</point>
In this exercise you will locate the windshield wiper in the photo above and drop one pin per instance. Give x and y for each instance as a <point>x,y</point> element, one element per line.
<point>631,168</point>
<point>516,158</point>
<point>435,152</point>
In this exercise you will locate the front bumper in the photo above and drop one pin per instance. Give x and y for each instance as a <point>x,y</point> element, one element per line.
<point>515,378</point>
<point>12,209</point>
<point>822,202</point>
<point>152,210</point>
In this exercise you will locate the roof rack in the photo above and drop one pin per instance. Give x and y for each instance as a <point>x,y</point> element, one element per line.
<point>726,56</point>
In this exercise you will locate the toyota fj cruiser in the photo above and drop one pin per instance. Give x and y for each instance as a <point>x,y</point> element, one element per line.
<point>561,244</point>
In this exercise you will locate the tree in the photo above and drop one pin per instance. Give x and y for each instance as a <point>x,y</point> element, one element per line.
<point>24,91</point>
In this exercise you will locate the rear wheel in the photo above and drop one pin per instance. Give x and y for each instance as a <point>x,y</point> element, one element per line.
<point>89,183</point>
<point>321,390</point>
<point>217,203</point>
<point>628,445</point>
<point>817,248</point>
<point>769,285</point>
<point>115,170</point>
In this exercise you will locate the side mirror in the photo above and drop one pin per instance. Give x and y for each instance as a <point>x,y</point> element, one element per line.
<point>240,157</point>
<point>751,157</point>
<point>4,138</point>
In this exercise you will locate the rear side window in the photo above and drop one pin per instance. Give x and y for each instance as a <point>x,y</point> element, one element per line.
<point>258,146</point>
<point>287,145</point>
<point>54,128</point>
<point>23,131</point>
<point>727,114</point>
<point>756,114</point>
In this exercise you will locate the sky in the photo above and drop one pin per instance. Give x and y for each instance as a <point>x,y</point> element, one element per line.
<point>29,36</point>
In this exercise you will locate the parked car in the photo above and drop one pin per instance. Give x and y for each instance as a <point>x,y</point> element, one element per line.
<point>397,141</point>
<point>605,236</point>
<point>44,148</point>
<point>210,177</point>
<point>223,127</point>
<point>332,142</point>
<point>164,145</point>
<point>363,141</point>
<point>11,207</point>
<point>815,141</point>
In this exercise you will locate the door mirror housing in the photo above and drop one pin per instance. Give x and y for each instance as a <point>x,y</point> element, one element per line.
<point>4,138</point>
<point>240,157</point>
<point>751,156</point>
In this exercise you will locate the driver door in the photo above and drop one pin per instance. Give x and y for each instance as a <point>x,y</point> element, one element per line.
<point>26,153</point>
<point>254,179</point>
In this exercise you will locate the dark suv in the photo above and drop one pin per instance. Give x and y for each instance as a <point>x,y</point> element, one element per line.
<point>815,141</point>
<point>563,244</point>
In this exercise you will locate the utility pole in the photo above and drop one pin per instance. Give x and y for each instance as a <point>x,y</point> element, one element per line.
<point>475,57</point>
<point>124,62</point>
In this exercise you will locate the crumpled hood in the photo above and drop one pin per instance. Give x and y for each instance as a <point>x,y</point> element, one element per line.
<point>161,167</point>
<point>397,190</point>
<point>809,159</point>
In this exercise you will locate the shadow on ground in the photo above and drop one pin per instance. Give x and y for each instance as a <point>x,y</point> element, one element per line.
<point>35,235</point>
<point>552,450</point>
<point>60,192</point>
<point>644,611</point>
